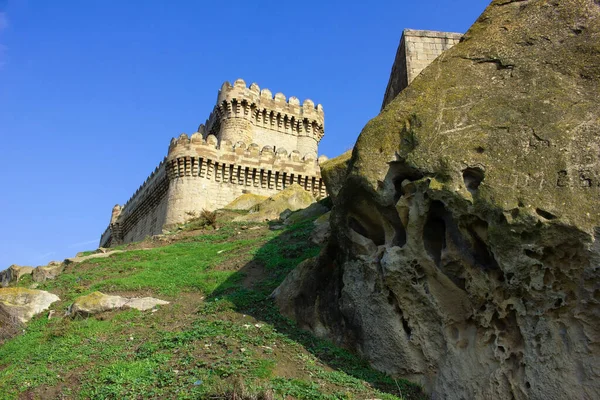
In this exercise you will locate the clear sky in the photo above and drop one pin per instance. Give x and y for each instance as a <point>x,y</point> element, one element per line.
<point>91,92</point>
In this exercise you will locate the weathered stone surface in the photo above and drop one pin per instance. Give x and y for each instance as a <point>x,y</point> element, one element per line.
<point>23,304</point>
<point>464,251</point>
<point>98,302</point>
<point>292,198</point>
<point>312,211</point>
<point>102,253</point>
<point>247,201</point>
<point>14,273</point>
<point>334,172</point>
<point>19,271</point>
<point>322,230</point>
<point>9,325</point>
<point>50,271</point>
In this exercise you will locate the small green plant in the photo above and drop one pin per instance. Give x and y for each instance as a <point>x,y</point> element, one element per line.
<point>210,217</point>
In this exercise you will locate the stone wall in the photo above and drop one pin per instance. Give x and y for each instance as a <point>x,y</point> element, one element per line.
<point>206,175</point>
<point>200,174</point>
<point>417,49</point>
<point>143,214</point>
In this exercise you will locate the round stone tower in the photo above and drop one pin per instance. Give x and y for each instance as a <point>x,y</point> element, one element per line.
<point>251,115</point>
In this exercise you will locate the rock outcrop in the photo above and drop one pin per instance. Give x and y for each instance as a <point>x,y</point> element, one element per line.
<point>312,211</point>
<point>292,198</point>
<point>48,272</point>
<point>247,201</point>
<point>14,273</point>
<point>465,250</point>
<point>98,302</point>
<point>23,304</point>
<point>334,172</point>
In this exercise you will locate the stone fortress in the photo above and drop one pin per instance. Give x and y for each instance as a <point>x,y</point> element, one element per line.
<point>252,142</point>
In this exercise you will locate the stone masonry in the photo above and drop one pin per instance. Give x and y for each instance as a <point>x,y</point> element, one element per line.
<point>252,142</point>
<point>416,51</point>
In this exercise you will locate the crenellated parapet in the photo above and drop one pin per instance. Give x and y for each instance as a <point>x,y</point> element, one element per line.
<point>262,110</point>
<point>242,163</point>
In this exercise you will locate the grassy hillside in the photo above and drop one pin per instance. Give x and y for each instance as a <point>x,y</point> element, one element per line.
<point>219,338</point>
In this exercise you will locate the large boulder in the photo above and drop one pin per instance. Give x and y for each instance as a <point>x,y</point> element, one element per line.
<point>98,302</point>
<point>14,273</point>
<point>247,201</point>
<point>292,198</point>
<point>22,304</point>
<point>465,248</point>
<point>19,271</point>
<point>312,211</point>
<point>48,272</point>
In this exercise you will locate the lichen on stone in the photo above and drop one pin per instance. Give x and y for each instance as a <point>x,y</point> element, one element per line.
<point>464,247</point>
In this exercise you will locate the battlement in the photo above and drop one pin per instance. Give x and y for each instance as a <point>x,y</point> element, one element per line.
<point>263,111</point>
<point>197,145</point>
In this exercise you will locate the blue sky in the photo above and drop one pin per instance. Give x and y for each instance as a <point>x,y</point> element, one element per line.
<point>91,92</point>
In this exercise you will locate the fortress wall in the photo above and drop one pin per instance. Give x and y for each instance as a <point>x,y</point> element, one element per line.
<point>143,214</point>
<point>236,129</point>
<point>417,49</point>
<point>268,137</point>
<point>307,145</point>
<point>204,175</point>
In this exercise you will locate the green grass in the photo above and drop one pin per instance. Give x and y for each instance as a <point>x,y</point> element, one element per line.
<point>217,337</point>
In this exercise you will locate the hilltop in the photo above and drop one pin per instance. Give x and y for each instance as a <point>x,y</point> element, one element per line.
<point>220,337</point>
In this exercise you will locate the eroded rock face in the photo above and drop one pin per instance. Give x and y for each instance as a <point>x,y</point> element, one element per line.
<point>464,251</point>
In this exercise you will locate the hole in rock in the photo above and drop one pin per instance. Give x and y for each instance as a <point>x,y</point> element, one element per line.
<point>545,214</point>
<point>481,251</point>
<point>479,149</point>
<point>528,385</point>
<point>406,328</point>
<point>498,323</point>
<point>548,278</point>
<point>392,217</point>
<point>434,232</point>
<point>455,333</point>
<point>376,235</point>
<point>473,178</point>
<point>558,303</point>
<point>455,271</point>
<point>532,254</point>
<point>398,173</point>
